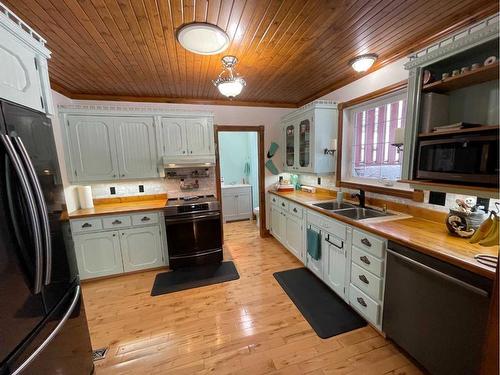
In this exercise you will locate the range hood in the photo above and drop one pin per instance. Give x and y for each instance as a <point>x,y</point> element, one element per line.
<point>186,161</point>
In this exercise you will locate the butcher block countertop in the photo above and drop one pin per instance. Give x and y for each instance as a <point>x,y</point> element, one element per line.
<point>429,237</point>
<point>110,206</point>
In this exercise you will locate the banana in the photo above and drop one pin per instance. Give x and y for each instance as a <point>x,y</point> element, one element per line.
<point>493,236</point>
<point>482,231</point>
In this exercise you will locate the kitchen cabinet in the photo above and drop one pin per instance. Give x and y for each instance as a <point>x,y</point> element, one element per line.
<point>306,133</point>
<point>114,244</point>
<point>335,264</point>
<point>237,202</point>
<point>141,248</point>
<point>293,235</point>
<point>276,223</point>
<point>98,254</point>
<point>187,136</point>
<point>24,75</point>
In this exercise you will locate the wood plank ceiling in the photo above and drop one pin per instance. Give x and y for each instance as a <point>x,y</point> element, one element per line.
<point>290,51</point>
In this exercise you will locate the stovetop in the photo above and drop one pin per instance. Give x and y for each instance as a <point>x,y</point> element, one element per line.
<point>191,204</point>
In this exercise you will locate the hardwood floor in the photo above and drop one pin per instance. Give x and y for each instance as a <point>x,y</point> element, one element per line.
<point>247,326</point>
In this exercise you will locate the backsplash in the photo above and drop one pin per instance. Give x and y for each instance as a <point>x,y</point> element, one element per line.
<point>328,182</point>
<point>155,186</point>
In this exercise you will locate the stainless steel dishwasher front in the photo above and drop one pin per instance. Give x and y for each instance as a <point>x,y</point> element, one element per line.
<point>435,311</point>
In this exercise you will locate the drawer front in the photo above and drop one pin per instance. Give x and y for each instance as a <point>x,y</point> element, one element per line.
<point>327,224</point>
<point>368,261</point>
<point>145,218</point>
<point>367,282</point>
<point>368,243</point>
<point>112,222</point>
<point>295,210</point>
<point>274,199</point>
<point>283,203</point>
<point>86,225</point>
<point>236,191</point>
<point>364,304</point>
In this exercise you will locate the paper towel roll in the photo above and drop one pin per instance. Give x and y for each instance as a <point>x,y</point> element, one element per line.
<point>85,196</point>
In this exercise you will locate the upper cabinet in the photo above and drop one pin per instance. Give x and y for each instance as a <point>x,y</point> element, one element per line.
<point>187,136</point>
<point>307,132</point>
<point>23,65</point>
<point>451,134</point>
<point>105,144</point>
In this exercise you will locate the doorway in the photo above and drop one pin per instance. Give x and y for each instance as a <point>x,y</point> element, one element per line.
<point>239,170</point>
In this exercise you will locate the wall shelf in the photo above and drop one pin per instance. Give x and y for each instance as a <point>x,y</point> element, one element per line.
<point>474,77</point>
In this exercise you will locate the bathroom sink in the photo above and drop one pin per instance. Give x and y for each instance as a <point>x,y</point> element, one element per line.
<point>362,213</point>
<point>333,205</point>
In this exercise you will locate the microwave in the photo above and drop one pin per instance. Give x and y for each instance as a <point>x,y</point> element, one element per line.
<point>468,159</point>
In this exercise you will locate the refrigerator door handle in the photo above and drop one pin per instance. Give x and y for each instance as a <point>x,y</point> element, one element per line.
<point>53,334</point>
<point>33,217</point>
<point>41,205</point>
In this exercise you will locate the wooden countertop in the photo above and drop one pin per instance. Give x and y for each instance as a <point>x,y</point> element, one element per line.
<point>119,208</point>
<point>429,237</point>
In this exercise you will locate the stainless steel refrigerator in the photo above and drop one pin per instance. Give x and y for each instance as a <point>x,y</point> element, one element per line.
<point>43,328</point>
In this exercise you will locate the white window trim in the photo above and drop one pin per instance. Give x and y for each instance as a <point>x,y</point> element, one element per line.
<point>347,141</point>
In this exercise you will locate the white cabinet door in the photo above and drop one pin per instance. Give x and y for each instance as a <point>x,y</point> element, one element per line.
<point>92,148</point>
<point>135,140</point>
<point>244,204</point>
<point>197,136</point>
<point>334,264</point>
<point>19,77</point>
<point>229,208</point>
<point>316,266</point>
<point>141,248</point>
<point>174,136</point>
<point>98,254</point>
<point>276,220</point>
<point>294,236</point>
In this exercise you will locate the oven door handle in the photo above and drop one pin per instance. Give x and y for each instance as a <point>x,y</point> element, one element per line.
<point>183,219</point>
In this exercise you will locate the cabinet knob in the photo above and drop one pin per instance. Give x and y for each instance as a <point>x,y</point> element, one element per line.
<point>366,242</point>
<point>283,204</point>
<point>86,225</point>
<point>364,279</point>
<point>183,152</point>
<point>361,301</point>
<point>190,152</point>
<point>295,210</point>
<point>116,222</point>
<point>114,176</point>
<point>365,260</point>
<point>123,175</point>
<point>145,218</point>
<point>114,234</point>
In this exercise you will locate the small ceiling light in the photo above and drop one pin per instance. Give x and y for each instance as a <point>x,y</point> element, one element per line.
<point>364,62</point>
<point>203,38</point>
<point>229,82</point>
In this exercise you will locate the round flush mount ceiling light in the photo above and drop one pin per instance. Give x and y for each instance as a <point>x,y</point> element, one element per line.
<point>364,62</point>
<point>203,38</point>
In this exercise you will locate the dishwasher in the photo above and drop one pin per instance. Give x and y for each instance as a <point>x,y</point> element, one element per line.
<point>435,311</point>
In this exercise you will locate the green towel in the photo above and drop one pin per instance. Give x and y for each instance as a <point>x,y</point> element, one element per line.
<point>313,244</point>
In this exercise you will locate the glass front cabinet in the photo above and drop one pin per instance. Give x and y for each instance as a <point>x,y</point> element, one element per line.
<point>306,133</point>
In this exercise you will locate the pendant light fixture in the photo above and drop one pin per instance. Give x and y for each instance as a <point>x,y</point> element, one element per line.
<point>203,38</point>
<point>229,82</point>
<point>364,62</point>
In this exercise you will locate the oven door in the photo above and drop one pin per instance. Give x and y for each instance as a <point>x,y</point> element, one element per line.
<point>193,235</point>
<point>469,160</point>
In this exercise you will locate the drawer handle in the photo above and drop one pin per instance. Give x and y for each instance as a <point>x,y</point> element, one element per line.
<point>361,301</point>
<point>366,242</point>
<point>116,222</point>
<point>274,200</point>
<point>86,225</point>
<point>364,279</point>
<point>295,210</point>
<point>145,218</point>
<point>283,204</point>
<point>365,260</point>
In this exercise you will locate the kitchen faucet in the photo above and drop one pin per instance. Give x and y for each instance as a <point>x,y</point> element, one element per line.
<point>361,197</point>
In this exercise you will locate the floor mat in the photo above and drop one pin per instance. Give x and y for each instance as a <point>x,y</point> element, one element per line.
<point>194,277</point>
<point>325,311</point>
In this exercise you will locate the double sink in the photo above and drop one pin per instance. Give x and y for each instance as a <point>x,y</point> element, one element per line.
<point>351,211</point>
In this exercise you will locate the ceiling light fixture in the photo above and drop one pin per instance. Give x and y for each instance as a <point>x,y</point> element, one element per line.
<point>203,38</point>
<point>229,82</point>
<point>364,62</point>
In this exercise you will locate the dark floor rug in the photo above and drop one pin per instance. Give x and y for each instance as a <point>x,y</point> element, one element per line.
<point>194,277</point>
<point>325,311</point>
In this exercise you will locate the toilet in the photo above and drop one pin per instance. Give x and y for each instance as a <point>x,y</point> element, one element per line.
<point>256,213</point>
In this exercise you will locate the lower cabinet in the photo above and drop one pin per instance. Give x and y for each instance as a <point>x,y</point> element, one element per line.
<point>128,247</point>
<point>237,202</point>
<point>294,236</point>
<point>141,248</point>
<point>335,264</point>
<point>98,254</point>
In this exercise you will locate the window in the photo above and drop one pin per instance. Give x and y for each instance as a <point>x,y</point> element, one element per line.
<point>369,130</point>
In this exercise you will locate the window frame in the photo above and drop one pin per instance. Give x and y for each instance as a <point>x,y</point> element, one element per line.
<point>386,94</point>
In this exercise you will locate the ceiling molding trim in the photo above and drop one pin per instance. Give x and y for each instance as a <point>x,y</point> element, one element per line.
<point>105,109</point>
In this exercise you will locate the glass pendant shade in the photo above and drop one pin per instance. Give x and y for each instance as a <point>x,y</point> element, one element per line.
<point>229,83</point>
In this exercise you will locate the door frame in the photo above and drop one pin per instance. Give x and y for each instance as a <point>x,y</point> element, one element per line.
<point>259,129</point>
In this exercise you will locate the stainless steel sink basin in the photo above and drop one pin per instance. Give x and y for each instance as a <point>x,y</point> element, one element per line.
<point>333,205</point>
<point>362,213</point>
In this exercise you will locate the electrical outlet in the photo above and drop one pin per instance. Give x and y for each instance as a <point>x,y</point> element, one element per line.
<point>141,188</point>
<point>483,202</point>
<point>319,180</point>
<point>112,190</point>
<point>436,197</point>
